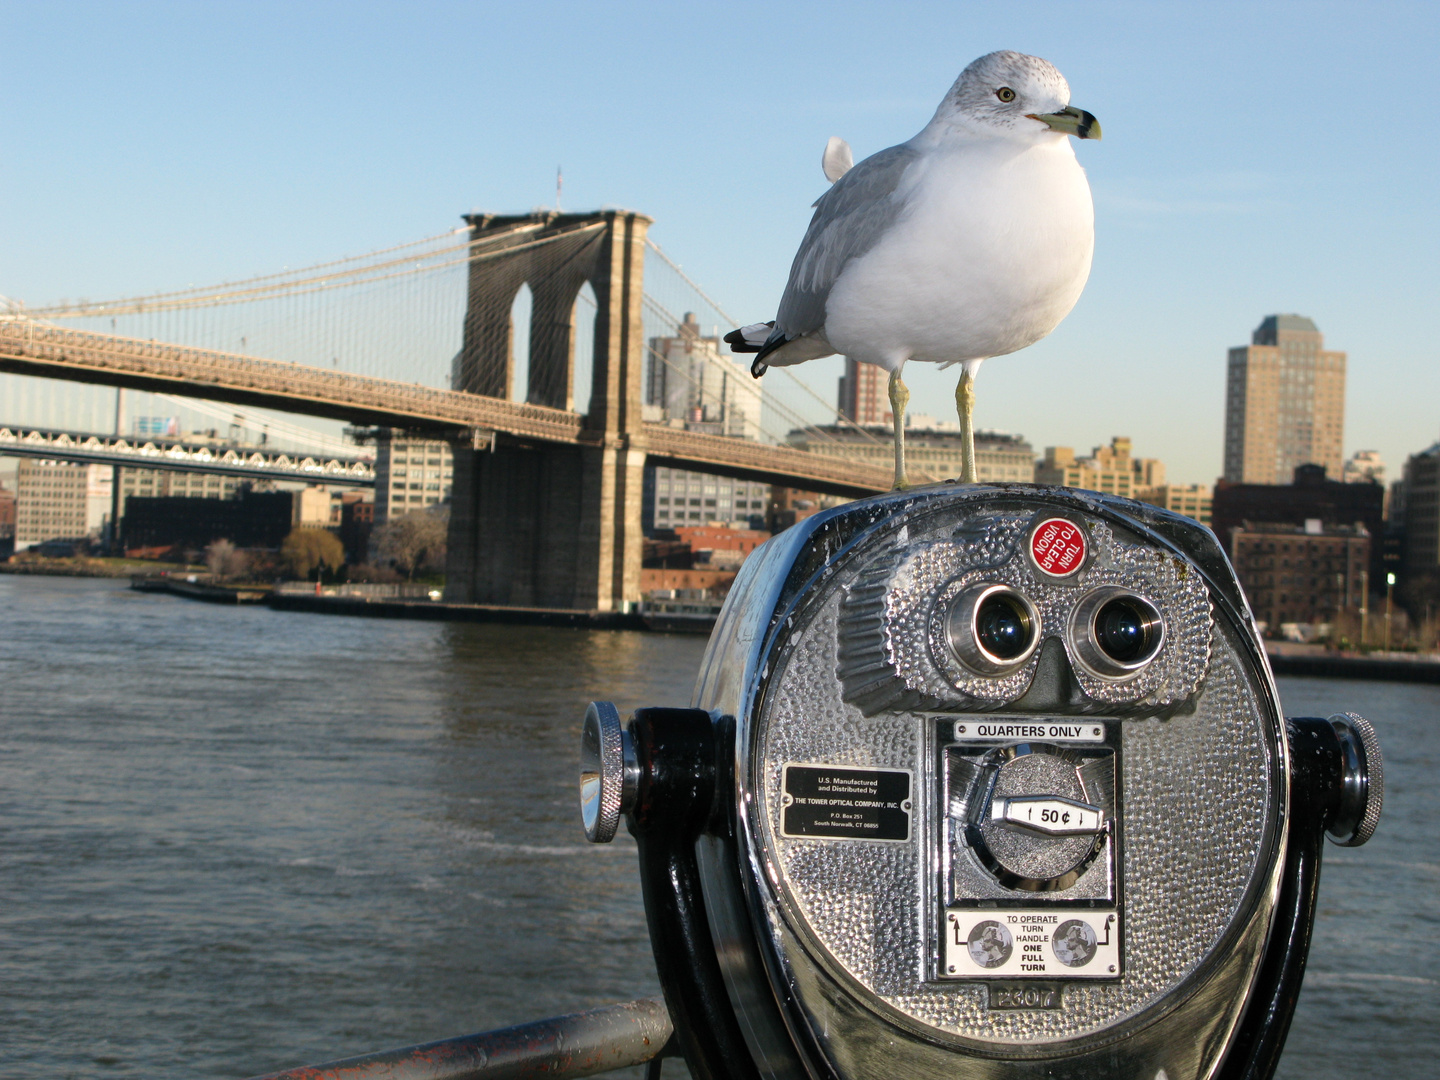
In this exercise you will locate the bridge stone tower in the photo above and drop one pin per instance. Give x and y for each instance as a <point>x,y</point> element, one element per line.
<point>538,524</point>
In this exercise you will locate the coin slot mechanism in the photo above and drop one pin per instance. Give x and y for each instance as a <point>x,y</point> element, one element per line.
<point>1030,838</point>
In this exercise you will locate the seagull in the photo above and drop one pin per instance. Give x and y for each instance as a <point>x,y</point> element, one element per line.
<point>971,240</point>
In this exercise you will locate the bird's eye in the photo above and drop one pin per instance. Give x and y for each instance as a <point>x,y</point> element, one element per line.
<point>1005,94</point>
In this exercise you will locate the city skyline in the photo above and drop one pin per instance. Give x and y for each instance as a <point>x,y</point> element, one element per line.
<point>280,137</point>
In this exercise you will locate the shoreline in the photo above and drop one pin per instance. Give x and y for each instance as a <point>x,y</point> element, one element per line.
<point>1284,661</point>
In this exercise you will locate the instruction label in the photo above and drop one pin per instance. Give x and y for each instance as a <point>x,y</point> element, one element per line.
<point>1031,943</point>
<point>834,802</point>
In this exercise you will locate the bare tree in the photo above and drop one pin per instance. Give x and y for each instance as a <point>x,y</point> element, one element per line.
<point>415,539</point>
<point>225,560</point>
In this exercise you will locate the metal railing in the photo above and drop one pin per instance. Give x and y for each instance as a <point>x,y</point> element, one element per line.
<point>562,1048</point>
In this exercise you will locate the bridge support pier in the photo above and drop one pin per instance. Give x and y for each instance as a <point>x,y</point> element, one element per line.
<point>545,526</point>
<point>537,524</point>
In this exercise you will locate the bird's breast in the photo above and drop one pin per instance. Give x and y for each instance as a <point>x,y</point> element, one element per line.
<point>990,254</point>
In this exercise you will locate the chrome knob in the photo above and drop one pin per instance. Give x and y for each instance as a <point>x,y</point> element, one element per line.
<point>608,772</point>
<point>1362,781</point>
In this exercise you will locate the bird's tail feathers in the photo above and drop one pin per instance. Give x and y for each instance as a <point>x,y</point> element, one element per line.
<point>750,338</point>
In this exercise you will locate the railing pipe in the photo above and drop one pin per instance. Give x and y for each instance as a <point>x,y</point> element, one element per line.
<point>562,1048</point>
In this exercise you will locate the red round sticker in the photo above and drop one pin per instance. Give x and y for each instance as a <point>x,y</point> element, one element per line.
<point>1058,547</point>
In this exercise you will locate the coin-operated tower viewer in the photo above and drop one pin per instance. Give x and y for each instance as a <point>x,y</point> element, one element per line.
<point>982,782</point>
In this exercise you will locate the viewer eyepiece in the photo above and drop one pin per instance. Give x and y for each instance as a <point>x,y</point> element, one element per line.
<point>1116,632</point>
<point>1003,626</point>
<point>993,629</point>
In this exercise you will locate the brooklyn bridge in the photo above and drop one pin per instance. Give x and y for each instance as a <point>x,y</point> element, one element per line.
<point>546,505</point>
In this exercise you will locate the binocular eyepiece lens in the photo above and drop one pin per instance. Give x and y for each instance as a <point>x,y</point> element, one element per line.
<point>992,629</point>
<point>1116,632</point>
<point>1126,631</point>
<point>1003,626</point>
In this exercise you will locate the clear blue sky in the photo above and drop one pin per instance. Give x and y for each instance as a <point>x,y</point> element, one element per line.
<point>1258,157</point>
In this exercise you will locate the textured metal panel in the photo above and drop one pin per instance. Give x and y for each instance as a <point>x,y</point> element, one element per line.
<point>1197,803</point>
<point>893,649</point>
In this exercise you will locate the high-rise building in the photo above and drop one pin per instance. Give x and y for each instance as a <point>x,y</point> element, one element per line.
<point>865,394</point>
<point>58,500</point>
<point>694,383</point>
<point>1284,403</point>
<point>1421,510</point>
<point>672,498</point>
<point>410,474</point>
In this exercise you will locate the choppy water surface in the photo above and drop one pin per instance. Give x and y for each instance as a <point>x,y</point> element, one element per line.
<point>237,840</point>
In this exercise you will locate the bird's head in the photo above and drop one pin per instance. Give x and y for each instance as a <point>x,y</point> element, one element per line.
<point>1011,94</point>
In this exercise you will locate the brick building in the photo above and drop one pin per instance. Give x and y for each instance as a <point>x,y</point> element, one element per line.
<point>1305,574</point>
<point>1311,497</point>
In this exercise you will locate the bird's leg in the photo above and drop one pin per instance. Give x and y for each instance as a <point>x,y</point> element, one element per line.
<point>899,398</point>
<point>965,406</point>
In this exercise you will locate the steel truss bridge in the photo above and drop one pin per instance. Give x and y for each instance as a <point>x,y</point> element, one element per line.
<point>179,455</point>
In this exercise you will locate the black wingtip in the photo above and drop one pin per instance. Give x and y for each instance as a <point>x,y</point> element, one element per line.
<point>736,340</point>
<point>759,367</point>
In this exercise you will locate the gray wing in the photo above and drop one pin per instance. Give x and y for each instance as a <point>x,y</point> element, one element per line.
<point>849,219</point>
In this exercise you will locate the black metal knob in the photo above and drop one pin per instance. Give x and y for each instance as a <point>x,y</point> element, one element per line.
<point>1362,781</point>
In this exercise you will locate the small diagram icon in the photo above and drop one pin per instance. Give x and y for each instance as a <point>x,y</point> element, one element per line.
<point>990,944</point>
<point>1074,943</point>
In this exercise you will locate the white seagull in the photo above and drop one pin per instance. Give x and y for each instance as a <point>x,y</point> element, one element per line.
<point>971,240</point>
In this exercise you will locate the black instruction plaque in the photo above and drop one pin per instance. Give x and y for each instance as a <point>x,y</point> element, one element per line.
<point>834,802</point>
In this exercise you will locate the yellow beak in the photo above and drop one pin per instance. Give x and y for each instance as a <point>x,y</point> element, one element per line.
<point>1070,121</point>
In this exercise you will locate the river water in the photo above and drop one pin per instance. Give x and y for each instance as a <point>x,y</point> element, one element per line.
<point>234,840</point>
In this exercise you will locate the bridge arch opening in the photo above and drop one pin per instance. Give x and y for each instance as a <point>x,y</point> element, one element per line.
<point>521,309</point>
<point>586,308</point>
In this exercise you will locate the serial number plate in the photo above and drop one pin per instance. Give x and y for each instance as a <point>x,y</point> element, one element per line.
<point>1032,995</point>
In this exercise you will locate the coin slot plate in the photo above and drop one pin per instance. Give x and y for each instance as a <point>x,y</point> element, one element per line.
<point>989,929</point>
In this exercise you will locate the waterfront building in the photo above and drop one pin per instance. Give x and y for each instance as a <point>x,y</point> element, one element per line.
<point>57,499</point>
<point>865,394</point>
<point>1284,403</point>
<point>1311,497</point>
<point>410,473</point>
<point>693,383</point>
<point>1192,500</point>
<point>312,509</point>
<point>932,452</point>
<point>252,519</point>
<point>1307,574</point>
<point>161,483</point>
<point>1109,469</point>
<point>357,521</point>
<point>7,521</point>
<point>1420,515</point>
<point>671,498</point>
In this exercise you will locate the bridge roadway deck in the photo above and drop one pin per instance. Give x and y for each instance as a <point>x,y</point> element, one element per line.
<point>31,348</point>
